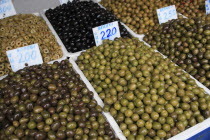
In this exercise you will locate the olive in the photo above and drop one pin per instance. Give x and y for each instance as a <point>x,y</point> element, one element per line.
<point>140,16</point>
<point>40,34</point>
<point>158,101</point>
<point>55,109</point>
<point>194,57</point>
<point>76,33</point>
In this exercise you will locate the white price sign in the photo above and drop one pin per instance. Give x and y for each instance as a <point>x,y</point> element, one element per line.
<point>207,5</point>
<point>167,13</point>
<point>19,57</point>
<point>63,1</point>
<point>6,9</point>
<point>108,31</point>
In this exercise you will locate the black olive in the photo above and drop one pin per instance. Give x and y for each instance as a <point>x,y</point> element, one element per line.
<point>77,20</point>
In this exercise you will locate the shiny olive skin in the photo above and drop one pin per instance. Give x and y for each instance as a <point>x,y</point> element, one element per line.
<point>149,96</point>
<point>189,46</point>
<point>49,101</point>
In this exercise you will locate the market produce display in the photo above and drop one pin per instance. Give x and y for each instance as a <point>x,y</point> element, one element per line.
<point>187,43</point>
<point>139,15</point>
<point>74,22</point>
<point>22,30</point>
<point>149,96</point>
<point>189,8</point>
<point>50,101</point>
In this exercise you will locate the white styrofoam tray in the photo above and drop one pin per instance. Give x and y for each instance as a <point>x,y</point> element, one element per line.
<point>181,136</point>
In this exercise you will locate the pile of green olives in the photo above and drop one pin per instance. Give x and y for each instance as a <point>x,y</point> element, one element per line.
<point>50,102</point>
<point>149,96</point>
<point>139,15</point>
<point>189,8</point>
<point>187,43</point>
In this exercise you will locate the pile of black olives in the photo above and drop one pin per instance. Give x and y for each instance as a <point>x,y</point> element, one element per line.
<point>50,102</point>
<point>187,43</point>
<point>74,22</point>
<point>149,96</point>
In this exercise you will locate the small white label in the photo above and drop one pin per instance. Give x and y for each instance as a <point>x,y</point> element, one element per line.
<point>167,13</point>
<point>19,57</point>
<point>207,5</point>
<point>108,31</point>
<point>63,1</point>
<point>6,9</point>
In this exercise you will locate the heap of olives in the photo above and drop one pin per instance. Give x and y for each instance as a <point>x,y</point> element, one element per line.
<point>50,102</point>
<point>74,22</point>
<point>149,96</point>
<point>139,15</point>
<point>189,8</point>
<point>187,43</point>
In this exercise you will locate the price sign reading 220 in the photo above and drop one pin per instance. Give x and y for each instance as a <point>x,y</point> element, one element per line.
<point>108,31</point>
<point>167,13</point>
<point>25,55</point>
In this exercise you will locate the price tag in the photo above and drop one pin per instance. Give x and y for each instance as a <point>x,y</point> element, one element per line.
<point>63,1</point>
<point>108,31</point>
<point>19,57</point>
<point>6,9</point>
<point>167,13</point>
<point>207,5</point>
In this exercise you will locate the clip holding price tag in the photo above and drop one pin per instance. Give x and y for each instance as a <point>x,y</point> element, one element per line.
<point>207,5</point>
<point>25,55</point>
<point>6,9</point>
<point>167,13</point>
<point>108,31</point>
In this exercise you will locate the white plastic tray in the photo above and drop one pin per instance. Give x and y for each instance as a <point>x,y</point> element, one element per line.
<point>181,136</point>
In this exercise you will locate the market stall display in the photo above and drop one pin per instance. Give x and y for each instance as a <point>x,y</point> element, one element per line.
<point>189,8</point>
<point>141,88</point>
<point>49,101</point>
<point>74,21</point>
<point>187,43</point>
<point>149,96</point>
<point>139,15</point>
<point>22,30</point>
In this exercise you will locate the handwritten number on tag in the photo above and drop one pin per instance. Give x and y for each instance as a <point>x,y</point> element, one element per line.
<point>102,32</point>
<point>27,57</point>
<point>108,33</point>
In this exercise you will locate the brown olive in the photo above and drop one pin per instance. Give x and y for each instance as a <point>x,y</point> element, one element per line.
<point>52,108</point>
